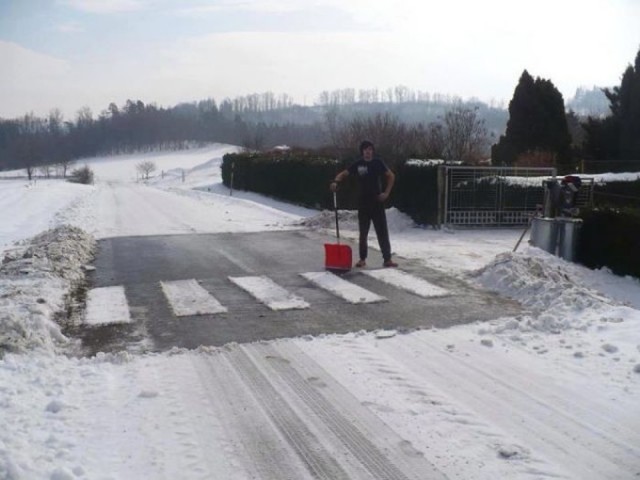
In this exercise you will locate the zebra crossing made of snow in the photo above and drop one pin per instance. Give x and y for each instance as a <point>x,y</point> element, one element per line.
<point>188,298</point>
<point>408,282</point>
<point>270,293</point>
<point>350,292</point>
<point>107,305</point>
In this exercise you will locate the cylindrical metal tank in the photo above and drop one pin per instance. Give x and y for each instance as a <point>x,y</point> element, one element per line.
<point>568,232</point>
<point>544,234</point>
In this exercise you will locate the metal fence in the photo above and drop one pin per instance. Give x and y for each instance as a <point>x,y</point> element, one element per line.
<point>492,196</point>
<point>585,194</point>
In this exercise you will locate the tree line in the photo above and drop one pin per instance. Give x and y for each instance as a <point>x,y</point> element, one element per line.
<point>32,142</point>
<point>535,131</point>
<point>51,143</point>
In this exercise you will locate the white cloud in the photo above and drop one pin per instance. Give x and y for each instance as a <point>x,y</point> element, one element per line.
<point>28,78</point>
<point>303,64</point>
<point>264,6</point>
<point>34,82</point>
<point>19,63</point>
<point>456,47</point>
<point>69,27</point>
<point>104,6</point>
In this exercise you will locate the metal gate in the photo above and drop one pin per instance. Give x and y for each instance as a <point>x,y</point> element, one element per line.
<point>492,196</point>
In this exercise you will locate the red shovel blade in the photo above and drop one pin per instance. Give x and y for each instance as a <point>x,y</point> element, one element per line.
<point>338,257</point>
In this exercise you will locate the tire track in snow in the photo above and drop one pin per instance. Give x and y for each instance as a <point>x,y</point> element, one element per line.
<point>561,398</point>
<point>555,432</point>
<point>348,435</point>
<point>379,450</point>
<point>185,435</point>
<point>166,426</point>
<point>290,420</point>
<point>262,449</point>
<point>305,443</point>
<point>148,202</point>
<point>403,392</point>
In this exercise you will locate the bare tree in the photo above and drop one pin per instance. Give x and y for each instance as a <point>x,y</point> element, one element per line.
<point>333,124</point>
<point>146,168</point>
<point>84,117</point>
<point>28,148</point>
<point>390,136</point>
<point>431,140</point>
<point>402,93</point>
<point>45,170</point>
<point>324,98</point>
<point>466,137</point>
<point>255,137</point>
<point>63,166</point>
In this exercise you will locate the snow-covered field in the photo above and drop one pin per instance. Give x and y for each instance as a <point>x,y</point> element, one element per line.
<point>553,393</point>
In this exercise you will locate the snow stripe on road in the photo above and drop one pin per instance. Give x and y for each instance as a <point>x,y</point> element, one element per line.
<point>351,292</point>
<point>407,282</point>
<point>268,292</point>
<point>107,305</point>
<point>187,297</point>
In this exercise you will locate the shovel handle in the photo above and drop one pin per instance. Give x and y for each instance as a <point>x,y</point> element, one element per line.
<point>335,208</point>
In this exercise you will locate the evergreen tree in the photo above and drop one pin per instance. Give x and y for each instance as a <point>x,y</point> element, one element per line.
<point>629,112</point>
<point>617,137</point>
<point>537,125</point>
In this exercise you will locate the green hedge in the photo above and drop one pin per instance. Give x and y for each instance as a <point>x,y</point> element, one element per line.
<point>609,238</point>
<point>617,194</point>
<point>297,177</point>
<point>303,178</point>
<point>416,192</point>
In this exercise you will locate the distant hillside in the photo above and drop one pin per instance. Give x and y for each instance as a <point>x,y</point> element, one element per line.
<point>256,121</point>
<point>589,102</point>
<point>413,112</point>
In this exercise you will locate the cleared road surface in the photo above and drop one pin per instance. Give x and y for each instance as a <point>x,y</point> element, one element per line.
<point>158,277</point>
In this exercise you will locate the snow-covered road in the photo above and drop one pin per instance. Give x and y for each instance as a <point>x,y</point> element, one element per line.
<point>552,393</point>
<point>131,209</point>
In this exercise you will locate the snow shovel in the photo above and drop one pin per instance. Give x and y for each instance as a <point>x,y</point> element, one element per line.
<point>338,257</point>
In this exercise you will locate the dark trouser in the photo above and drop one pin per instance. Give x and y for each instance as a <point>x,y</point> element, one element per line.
<point>374,212</point>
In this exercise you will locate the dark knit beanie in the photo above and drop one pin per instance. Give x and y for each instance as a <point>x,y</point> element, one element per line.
<point>365,144</point>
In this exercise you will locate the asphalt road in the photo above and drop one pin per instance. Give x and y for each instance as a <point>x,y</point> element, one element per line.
<point>140,263</point>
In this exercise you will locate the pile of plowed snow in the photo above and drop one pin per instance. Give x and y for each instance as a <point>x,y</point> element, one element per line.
<point>544,285</point>
<point>348,220</point>
<point>35,278</point>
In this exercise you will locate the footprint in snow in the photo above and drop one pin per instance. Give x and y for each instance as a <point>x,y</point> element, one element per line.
<point>148,394</point>
<point>385,333</point>
<point>409,450</point>
<point>511,452</point>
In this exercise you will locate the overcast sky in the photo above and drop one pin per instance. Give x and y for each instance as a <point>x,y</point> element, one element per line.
<point>72,53</point>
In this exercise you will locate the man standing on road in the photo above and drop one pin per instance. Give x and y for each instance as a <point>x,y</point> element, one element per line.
<point>371,171</point>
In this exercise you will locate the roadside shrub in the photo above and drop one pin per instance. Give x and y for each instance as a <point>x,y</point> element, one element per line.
<point>81,175</point>
<point>296,176</point>
<point>416,191</point>
<point>303,178</point>
<point>617,194</point>
<point>609,238</point>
